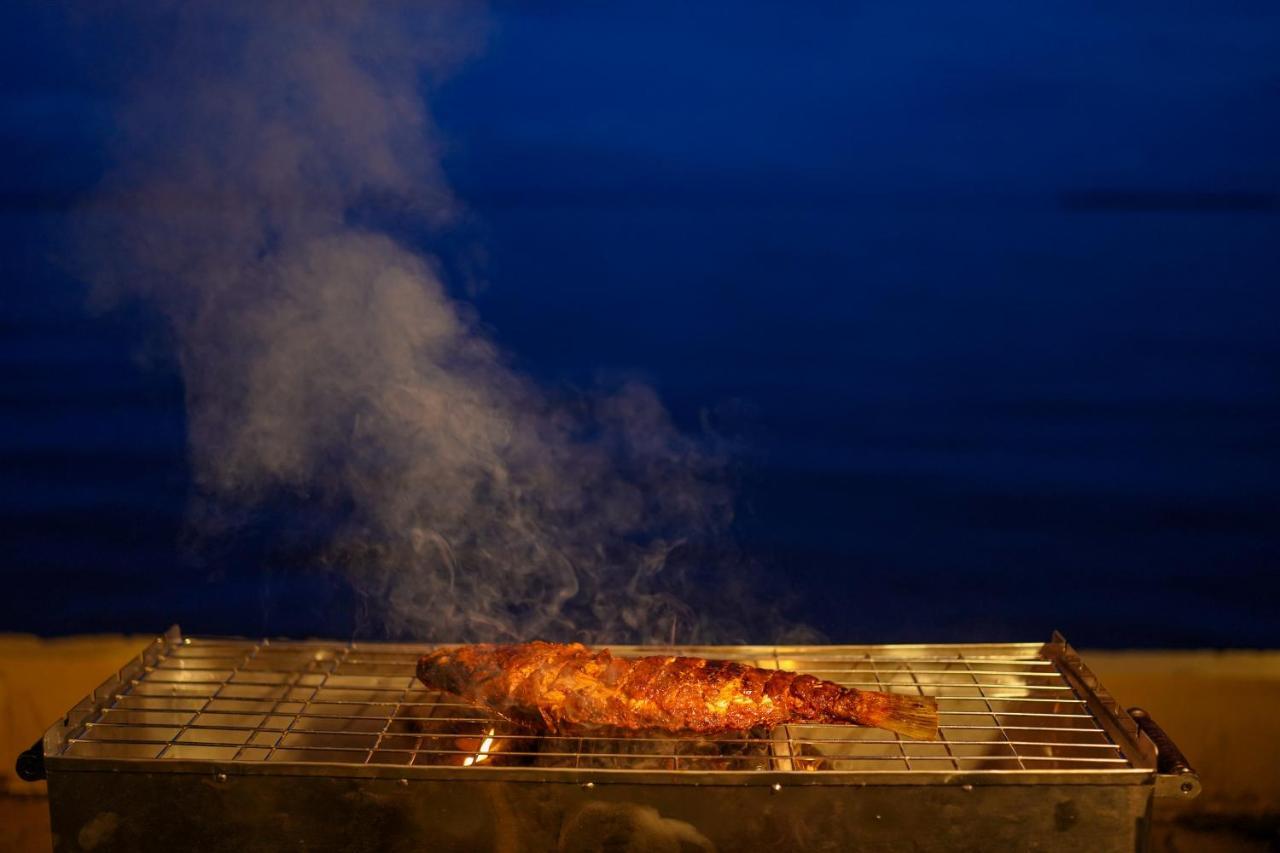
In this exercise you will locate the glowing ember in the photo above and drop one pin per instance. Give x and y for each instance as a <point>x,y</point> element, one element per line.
<point>481,754</point>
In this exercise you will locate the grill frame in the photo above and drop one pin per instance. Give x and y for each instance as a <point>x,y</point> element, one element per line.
<point>1135,764</point>
<point>159,804</point>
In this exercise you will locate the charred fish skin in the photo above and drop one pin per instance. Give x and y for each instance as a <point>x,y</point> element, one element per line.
<point>555,686</point>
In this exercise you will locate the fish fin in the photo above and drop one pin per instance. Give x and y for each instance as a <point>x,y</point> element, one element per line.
<point>912,716</point>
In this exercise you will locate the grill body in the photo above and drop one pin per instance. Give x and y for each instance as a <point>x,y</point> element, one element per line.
<point>161,811</point>
<point>230,744</point>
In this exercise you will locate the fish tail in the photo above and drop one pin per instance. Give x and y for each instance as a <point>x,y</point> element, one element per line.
<point>911,716</point>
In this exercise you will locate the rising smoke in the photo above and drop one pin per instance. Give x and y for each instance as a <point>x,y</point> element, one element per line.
<point>328,361</point>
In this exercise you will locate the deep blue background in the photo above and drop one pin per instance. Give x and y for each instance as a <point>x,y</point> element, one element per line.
<point>985,294</point>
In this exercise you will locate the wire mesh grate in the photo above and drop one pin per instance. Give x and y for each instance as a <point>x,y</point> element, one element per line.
<point>1002,707</point>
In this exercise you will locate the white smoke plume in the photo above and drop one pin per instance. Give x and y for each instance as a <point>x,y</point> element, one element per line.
<point>327,361</point>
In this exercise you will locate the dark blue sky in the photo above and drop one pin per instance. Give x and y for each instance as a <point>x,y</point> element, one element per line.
<point>985,296</point>
<point>995,97</point>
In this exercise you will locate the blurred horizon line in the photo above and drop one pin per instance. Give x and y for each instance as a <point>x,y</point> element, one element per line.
<point>1096,199</point>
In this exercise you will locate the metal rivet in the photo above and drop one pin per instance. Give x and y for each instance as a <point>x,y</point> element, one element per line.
<point>777,786</point>
<point>588,784</point>
<point>1187,787</point>
<point>403,782</point>
<point>966,787</point>
<point>221,777</point>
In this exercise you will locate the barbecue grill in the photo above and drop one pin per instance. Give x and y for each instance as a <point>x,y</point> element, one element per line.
<point>265,745</point>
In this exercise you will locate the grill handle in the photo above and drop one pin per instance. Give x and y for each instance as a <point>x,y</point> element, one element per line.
<point>30,763</point>
<point>1175,775</point>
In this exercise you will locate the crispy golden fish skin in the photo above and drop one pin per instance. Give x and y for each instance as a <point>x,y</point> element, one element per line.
<point>557,686</point>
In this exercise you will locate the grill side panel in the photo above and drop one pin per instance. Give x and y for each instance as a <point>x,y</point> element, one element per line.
<point>147,811</point>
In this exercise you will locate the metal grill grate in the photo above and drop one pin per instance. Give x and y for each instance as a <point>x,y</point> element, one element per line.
<point>1002,707</point>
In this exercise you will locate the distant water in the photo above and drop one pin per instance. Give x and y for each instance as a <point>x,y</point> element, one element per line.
<point>956,418</point>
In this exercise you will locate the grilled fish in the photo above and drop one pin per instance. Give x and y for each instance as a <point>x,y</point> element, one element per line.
<point>556,687</point>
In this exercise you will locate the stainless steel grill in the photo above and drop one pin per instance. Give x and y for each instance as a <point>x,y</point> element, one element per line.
<point>1007,707</point>
<point>240,732</point>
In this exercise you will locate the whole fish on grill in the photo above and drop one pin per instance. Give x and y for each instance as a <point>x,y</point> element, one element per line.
<point>554,687</point>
